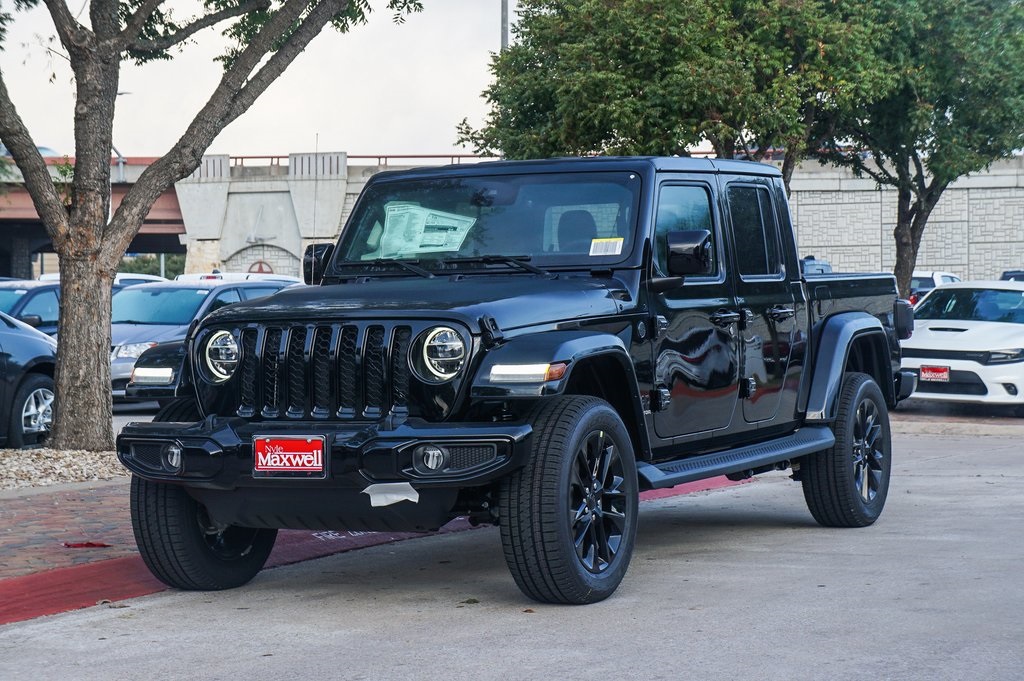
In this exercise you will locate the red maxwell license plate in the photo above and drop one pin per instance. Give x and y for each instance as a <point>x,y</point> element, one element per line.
<point>940,374</point>
<point>288,457</point>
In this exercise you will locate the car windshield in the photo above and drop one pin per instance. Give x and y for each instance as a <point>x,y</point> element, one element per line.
<point>146,305</point>
<point>571,219</point>
<point>922,283</point>
<point>9,298</point>
<point>973,304</point>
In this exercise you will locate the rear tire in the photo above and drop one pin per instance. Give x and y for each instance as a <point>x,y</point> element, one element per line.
<point>847,485</point>
<point>180,543</point>
<point>569,516</point>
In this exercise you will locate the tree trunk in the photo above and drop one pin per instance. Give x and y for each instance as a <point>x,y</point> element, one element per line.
<point>911,220</point>
<point>906,248</point>
<point>83,356</point>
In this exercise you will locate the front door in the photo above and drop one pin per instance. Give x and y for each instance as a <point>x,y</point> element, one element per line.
<point>696,363</point>
<point>763,295</point>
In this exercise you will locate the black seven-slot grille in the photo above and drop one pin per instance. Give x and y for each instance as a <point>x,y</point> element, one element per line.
<point>322,371</point>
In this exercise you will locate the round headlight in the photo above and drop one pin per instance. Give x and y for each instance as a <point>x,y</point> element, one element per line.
<point>221,356</point>
<point>444,352</point>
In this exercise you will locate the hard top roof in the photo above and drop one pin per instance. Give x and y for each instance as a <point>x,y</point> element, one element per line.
<point>589,163</point>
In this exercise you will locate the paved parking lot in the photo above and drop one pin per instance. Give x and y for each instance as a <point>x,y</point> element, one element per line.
<point>736,583</point>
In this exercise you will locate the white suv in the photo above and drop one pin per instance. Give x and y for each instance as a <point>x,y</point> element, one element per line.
<point>921,282</point>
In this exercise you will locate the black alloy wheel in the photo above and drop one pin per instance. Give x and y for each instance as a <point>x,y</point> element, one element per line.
<point>597,502</point>
<point>847,485</point>
<point>569,516</point>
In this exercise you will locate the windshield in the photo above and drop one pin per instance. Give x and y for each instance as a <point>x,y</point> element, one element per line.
<point>573,219</point>
<point>9,298</point>
<point>157,305</point>
<point>973,304</point>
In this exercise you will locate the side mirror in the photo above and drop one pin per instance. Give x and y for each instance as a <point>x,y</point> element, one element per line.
<point>32,320</point>
<point>314,262</point>
<point>689,253</point>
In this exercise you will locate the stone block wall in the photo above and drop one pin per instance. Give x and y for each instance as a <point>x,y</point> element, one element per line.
<point>976,230</point>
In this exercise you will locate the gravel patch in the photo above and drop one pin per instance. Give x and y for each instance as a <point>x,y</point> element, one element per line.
<point>39,467</point>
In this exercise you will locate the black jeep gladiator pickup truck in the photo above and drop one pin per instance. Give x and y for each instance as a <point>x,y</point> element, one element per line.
<point>530,344</point>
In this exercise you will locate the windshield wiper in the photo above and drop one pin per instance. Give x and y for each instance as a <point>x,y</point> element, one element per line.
<point>411,265</point>
<point>520,261</point>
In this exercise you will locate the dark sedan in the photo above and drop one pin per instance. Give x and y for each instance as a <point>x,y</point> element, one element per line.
<point>27,360</point>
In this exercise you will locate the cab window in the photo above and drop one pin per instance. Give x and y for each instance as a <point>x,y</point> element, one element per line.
<point>682,208</point>
<point>756,231</point>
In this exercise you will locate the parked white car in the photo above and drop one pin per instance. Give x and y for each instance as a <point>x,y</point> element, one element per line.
<point>968,343</point>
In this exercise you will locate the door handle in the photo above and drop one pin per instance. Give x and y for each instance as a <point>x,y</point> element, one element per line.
<point>724,318</point>
<point>779,313</point>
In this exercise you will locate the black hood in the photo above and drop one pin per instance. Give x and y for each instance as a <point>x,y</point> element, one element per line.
<point>512,300</point>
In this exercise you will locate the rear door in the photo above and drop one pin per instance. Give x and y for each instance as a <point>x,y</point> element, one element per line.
<point>764,295</point>
<point>696,363</point>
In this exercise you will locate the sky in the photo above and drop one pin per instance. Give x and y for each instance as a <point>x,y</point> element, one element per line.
<point>382,88</point>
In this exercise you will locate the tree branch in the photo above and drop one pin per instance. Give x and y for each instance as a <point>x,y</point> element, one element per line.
<point>169,41</point>
<point>71,33</point>
<point>918,172</point>
<point>235,93</point>
<point>136,22</point>
<point>44,195</point>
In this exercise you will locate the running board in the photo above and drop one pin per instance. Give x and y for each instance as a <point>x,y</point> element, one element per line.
<point>671,473</point>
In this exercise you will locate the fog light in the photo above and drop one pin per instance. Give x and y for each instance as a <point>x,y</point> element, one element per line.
<point>172,457</point>
<point>432,457</point>
<point>1010,388</point>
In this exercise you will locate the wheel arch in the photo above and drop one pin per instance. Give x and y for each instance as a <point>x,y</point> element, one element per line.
<point>597,364</point>
<point>853,341</point>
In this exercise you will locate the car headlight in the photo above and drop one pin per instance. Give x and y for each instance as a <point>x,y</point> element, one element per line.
<point>441,355</point>
<point>221,355</point>
<point>1006,356</point>
<point>132,350</point>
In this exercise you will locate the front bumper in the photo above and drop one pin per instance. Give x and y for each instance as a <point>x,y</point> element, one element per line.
<point>217,464</point>
<point>120,373</point>
<point>970,382</point>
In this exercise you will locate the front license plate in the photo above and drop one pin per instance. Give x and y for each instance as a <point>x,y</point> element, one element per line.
<point>289,457</point>
<point>940,374</point>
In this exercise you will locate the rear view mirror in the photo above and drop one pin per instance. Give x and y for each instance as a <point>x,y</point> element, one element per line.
<point>314,262</point>
<point>689,253</point>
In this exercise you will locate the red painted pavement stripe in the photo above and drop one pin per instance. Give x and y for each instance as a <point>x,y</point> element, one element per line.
<point>63,589</point>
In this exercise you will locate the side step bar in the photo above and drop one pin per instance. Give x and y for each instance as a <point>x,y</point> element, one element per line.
<point>671,473</point>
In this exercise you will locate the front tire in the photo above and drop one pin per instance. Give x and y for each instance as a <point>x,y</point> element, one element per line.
<point>569,516</point>
<point>181,545</point>
<point>847,485</point>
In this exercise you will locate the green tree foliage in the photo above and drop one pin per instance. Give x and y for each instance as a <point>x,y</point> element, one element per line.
<point>263,38</point>
<point>643,77</point>
<point>958,106</point>
<point>174,264</point>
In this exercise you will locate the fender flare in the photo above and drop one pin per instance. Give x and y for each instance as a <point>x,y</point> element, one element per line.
<point>547,347</point>
<point>833,349</point>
